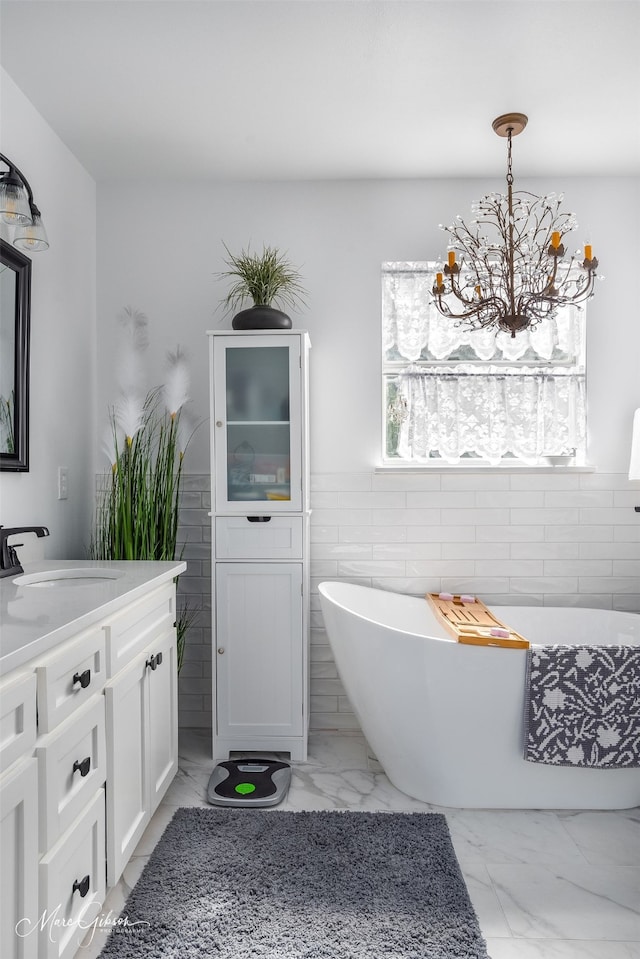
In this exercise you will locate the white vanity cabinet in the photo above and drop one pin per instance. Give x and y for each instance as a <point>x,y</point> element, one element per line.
<point>142,717</point>
<point>19,858</point>
<point>260,537</point>
<point>18,816</point>
<point>88,746</point>
<point>53,799</point>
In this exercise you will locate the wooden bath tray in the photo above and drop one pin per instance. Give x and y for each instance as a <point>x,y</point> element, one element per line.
<point>471,623</point>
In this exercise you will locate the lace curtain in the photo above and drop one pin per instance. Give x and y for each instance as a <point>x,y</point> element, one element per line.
<point>521,397</point>
<point>413,328</point>
<point>524,413</point>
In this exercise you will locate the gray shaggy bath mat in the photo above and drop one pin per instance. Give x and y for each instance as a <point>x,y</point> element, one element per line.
<point>250,884</point>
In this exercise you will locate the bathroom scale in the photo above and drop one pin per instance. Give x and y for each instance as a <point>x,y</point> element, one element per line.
<point>249,782</point>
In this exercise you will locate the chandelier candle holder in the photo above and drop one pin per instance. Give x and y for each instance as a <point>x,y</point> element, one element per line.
<point>507,268</point>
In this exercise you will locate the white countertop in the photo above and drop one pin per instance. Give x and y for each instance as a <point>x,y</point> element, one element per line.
<point>34,619</point>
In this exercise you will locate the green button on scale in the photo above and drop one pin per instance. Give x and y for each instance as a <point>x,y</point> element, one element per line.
<point>245,788</point>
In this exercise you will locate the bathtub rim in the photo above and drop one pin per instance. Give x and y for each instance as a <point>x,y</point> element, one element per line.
<point>625,615</point>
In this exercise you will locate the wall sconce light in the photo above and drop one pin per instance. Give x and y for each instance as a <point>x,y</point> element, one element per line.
<point>18,209</point>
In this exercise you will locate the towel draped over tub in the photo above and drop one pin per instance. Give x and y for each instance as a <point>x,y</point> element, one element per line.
<point>582,706</point>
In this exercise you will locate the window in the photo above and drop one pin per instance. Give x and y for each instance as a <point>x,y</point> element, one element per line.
<point>452,395</point>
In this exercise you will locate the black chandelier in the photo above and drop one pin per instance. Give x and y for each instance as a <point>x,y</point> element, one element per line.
<point>512,272</point>
<point>18,209</point>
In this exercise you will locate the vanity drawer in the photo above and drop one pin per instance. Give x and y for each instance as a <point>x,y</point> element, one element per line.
<point>69,677</point>
<point>72,765</point>
<point>17,718</point>
<point>72,882</point>
<point>128,633</point>
<point>259,537</point>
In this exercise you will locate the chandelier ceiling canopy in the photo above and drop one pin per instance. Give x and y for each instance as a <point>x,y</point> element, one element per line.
<point>507,267</point>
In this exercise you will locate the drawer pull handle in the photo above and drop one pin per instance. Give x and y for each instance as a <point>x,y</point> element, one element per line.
<point>82,886</point>
<point>83,766</point>
<point>259,519</point>
<point>154,661</point>
<point>83,678</point>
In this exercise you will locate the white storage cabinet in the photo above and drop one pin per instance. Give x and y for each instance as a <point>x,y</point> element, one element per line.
<point>260,537</point>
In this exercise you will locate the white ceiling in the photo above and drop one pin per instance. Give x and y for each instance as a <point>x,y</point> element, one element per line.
<point>305,89</point>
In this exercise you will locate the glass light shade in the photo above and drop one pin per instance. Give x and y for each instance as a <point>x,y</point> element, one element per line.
<point>32,237</point>
<point>14,202</point>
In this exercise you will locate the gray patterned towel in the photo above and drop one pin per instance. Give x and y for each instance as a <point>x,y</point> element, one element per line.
<point>582,706</point>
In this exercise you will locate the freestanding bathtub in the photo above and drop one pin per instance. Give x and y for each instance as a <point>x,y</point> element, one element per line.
<point>445,720</point>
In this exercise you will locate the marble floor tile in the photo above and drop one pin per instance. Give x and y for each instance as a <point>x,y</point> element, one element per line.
<point>511,836</point>
<point>189,788</point>
<point>605,837</point>
<point>485,901</point>
<point>570,901</point>
<point>561,949</point>
<point>544,884</point>
<point>314,788</point>
<point>344,751</point>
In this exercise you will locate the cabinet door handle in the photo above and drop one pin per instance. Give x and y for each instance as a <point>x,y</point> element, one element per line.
<point>159,659</point>
<point>152,663</point>
<point>83,678</point>
<point>84,766</point>
<point>81,886</point>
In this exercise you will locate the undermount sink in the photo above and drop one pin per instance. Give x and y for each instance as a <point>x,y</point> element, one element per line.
<point>79,576</point>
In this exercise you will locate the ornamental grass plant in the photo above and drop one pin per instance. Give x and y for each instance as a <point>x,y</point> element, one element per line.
<point>138,507</point>
<point>264,278</point>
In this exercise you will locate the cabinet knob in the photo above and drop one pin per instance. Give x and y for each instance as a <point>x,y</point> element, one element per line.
<point>83,678</point>
<point>220,650</point>
<point>159,659</point>
<point>218,422</point>
<point>82,886</point>
<point>152,663</point>
<point>83,766</point>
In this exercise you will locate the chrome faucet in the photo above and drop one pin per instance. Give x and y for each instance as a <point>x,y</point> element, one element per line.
<point>9,562</point>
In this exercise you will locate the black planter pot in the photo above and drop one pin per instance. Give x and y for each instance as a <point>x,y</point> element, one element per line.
<point>261,317</point>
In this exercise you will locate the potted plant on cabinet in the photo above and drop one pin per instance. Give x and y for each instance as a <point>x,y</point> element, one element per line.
<point>264,278</point>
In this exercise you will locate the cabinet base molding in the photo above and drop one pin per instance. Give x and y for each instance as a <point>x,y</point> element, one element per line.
<point>296,747</point>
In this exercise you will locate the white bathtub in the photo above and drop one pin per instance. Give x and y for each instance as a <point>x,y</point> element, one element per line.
<point>445,720</point>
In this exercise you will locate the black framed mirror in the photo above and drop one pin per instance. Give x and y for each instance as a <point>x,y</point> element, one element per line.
<point>15,319</point>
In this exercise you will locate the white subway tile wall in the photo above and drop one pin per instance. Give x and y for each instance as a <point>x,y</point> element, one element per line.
<point>194,591</point>
<point>568,539</point>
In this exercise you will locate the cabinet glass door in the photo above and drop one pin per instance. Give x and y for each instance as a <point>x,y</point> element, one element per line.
<point>261,451</point>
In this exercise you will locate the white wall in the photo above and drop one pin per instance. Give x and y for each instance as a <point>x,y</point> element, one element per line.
<point>63,350</point>
<point>164,262</point>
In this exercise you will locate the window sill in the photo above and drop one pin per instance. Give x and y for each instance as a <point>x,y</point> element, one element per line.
<point>481,468</point>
